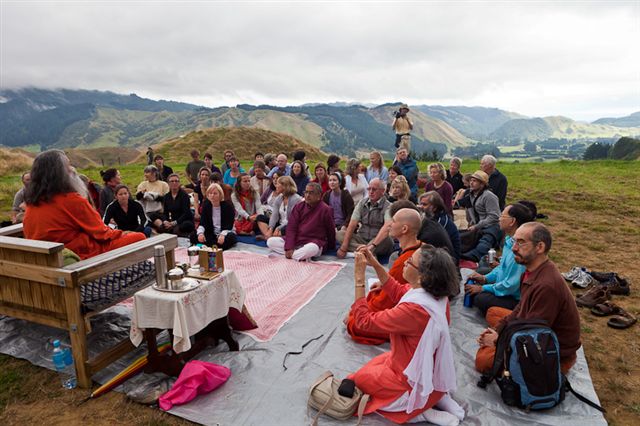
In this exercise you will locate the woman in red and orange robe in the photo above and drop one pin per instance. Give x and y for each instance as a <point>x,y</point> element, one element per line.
<point>430,274</point>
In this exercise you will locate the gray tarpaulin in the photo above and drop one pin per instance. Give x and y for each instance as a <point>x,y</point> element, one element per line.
<point>261,392</point>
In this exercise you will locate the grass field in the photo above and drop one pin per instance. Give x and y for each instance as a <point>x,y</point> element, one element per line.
<point>594,215</point>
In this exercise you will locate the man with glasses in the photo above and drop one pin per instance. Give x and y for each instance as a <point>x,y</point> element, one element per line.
<point>543,295</point>
<point>310,229</point>
<point>369,224</point>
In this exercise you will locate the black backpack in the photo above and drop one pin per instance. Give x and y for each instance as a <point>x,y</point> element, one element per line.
<point>527,367</point>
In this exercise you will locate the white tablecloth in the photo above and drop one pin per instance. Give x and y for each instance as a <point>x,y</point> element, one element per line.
<point>185,313</point>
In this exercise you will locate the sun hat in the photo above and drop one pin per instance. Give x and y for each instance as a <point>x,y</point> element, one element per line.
<point>405,106</point>
<point>481,176</point>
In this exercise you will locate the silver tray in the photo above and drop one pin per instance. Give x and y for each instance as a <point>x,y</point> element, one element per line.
<point>188,287</point>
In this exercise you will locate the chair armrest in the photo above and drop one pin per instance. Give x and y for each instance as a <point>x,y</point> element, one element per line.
<point>111,261</point>
<point>12,230</point>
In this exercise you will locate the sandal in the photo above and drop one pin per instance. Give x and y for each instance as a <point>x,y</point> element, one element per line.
<point>605,309</point>
<point>622,321</point>
<point>595,296</point>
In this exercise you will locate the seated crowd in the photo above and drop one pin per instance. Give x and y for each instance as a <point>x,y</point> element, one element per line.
<point>370,212</point>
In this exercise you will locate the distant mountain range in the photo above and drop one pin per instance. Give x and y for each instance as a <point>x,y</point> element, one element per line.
<point>40,119</point>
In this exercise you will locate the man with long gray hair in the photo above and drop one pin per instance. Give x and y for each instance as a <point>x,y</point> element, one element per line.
<point>58,210</point>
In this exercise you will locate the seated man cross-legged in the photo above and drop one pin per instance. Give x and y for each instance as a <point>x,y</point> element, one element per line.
<point>372,216</point>
<point>544,295</point>
<point>310,230</point>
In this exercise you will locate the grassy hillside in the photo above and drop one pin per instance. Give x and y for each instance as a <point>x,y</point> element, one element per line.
<point>243,141</point>
<point>474,122</point>
<point>534,129</point>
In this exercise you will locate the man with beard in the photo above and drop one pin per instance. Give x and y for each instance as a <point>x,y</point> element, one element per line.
<point>544,295</point>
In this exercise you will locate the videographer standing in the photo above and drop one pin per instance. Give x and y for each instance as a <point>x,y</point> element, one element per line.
<point>403,126</point>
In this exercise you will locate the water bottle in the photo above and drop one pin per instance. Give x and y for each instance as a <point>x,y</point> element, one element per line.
<point>63,361</point>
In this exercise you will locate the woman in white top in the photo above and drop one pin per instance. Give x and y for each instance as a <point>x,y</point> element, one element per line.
<point>250,218</point>
<point>376,167</point>
<point>216,224</point>
<point>151,191</point>
<point>354,182</point>
<point>282,207</point>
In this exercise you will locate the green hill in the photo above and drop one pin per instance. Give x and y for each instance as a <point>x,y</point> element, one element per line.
<point>534,129</point>
<point>632,120</point>
<point>473,122</point>
<point>244,141</point>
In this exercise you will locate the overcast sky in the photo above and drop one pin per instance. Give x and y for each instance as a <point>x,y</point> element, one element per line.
<point>579,59</point>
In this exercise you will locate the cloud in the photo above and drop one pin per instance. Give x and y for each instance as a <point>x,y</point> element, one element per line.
<point>536,58</point>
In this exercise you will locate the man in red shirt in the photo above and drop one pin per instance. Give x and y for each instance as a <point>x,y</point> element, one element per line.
<point>543,295</point>
<point>310,230</point>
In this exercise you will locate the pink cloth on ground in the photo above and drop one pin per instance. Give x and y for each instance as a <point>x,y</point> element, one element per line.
<point>196,378</point>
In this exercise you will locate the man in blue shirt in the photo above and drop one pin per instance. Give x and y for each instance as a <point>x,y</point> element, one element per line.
<point>282,168</point>
<point>501,287</point>
<point>409,169</point>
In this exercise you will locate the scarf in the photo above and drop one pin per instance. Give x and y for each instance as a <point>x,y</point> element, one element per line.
<point>426,373</point>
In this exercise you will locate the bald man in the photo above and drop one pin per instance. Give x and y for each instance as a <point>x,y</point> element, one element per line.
<point>404,227</point>
<point>282,168</point>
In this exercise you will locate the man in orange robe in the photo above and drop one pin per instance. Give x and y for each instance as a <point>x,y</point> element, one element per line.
<point>57,212</point>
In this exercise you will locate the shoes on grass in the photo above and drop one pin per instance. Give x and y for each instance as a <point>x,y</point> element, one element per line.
<point>573,273</point>
<point>595,296</point>
<point>582,279</point>
<point>615,283</point>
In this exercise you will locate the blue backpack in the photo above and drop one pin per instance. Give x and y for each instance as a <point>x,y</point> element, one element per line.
<point>527,367</point>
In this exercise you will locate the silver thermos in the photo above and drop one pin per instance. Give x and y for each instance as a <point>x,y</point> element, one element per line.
<point>160,261</point>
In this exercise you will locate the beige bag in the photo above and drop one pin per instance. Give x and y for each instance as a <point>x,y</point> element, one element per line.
<point>324,397</point>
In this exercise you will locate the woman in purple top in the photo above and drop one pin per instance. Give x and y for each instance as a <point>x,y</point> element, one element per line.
<point>440,185</point>
<point>339,199</point>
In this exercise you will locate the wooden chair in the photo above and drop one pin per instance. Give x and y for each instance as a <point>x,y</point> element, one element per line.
<point>35,286</point>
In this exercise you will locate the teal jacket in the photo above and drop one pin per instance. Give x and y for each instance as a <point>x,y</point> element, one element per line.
<point>504,280</point>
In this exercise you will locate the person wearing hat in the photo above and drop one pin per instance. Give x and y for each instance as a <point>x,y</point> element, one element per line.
<point>402,125</point>
<point>484,213</point>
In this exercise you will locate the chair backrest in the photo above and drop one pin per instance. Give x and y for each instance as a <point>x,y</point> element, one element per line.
<point>26,277</point>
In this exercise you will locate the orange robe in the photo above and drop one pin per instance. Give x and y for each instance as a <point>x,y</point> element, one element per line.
<point>71,220</point>
<point>382,377</point>
<point>378,301</point>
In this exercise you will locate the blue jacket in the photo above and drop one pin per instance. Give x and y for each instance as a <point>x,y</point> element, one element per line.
<point>410,171</point>
<point>504,280</point>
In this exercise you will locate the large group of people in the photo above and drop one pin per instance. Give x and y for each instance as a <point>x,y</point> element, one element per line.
<point>369,212</point>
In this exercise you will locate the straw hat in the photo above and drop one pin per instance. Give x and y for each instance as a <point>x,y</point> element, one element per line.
<point>481,176</point>
<point>405,106</point>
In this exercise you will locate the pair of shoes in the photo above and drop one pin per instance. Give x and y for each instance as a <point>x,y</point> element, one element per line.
<point>621,319</point>
<point>597,295</point>
<point>615,283</point>
<point>582,280</point>
<point>573,273</point>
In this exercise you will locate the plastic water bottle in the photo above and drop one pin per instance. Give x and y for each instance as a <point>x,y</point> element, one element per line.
<point>63,361</point>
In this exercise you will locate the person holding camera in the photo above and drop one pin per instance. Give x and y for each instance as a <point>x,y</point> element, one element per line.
<point>403,126</point>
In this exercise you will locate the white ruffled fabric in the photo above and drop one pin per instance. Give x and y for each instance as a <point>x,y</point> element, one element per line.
<point>424,372</point>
